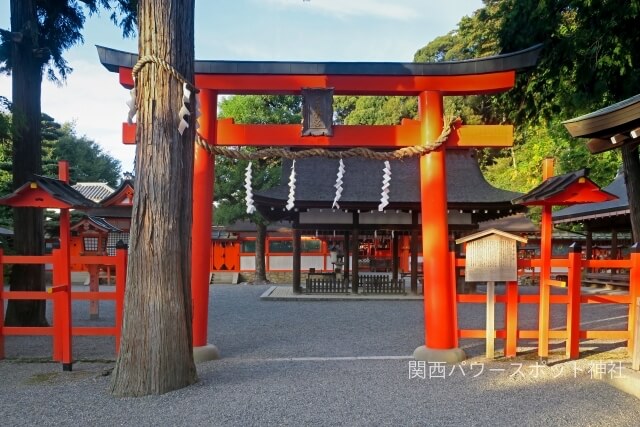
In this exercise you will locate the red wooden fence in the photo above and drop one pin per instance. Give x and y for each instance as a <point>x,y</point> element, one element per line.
<point>62,295</point>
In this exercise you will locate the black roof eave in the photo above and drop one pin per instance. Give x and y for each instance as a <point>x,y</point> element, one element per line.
<point>113,59</point>
<point>608,121</point>
<point>551,187</point>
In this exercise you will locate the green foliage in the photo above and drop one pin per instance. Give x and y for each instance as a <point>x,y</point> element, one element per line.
<point>590,58</point>
<point>262,109</point>
<point>60,24</point>
<point>374,110</point>
<point>5,160</point>
<point>229,180</point>
<point>87,161</point>
<point>590,52</point>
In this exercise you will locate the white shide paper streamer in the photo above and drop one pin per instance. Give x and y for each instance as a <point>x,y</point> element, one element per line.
<point>338,185</point>
<point>292,187</point>
<point>184,110</point>
<point>131,103</point>
<point>386,179</point>
<point>247,185</point>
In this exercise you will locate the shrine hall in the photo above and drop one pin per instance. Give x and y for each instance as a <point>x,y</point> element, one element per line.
<point>318,82</point>
<point>470,200</point>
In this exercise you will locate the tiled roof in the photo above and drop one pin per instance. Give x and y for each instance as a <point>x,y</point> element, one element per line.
<point>95,191</point>
<point>551,187</point>
<point>316,177</point>
<point>58,190</point>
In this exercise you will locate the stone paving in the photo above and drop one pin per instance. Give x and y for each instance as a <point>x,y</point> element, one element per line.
<point>346,362</point>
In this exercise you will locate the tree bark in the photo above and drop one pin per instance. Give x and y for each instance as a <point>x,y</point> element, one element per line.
<point>631,165</point>
<point>28,223</point>
<point>261,242</point>
<point>156,346</point>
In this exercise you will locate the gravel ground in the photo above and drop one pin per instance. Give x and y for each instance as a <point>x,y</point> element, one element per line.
<point>322,363</point>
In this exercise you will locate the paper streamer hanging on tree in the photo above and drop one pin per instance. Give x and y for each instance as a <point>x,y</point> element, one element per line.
<point>131,103</point>
<point>184,110</point>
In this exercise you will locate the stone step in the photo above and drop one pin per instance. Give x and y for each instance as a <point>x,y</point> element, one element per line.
<point>223,278</point>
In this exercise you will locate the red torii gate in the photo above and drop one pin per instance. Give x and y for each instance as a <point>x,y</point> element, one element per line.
<point>430,82</point>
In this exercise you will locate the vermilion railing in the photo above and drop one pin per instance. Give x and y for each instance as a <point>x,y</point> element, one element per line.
<point>62,295</point>
<point>573,300</point>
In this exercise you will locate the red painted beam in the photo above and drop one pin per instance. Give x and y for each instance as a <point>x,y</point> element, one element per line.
<point>281,84</point>
<point>406,134</point>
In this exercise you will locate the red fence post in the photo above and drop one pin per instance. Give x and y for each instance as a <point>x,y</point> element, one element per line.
<point>121,280</point>
<point>634,291</point>
<point>65,297</point>
<point>57,307</point>
<point>574,283</point>
<point>1,305</point>
<point>511,320</point>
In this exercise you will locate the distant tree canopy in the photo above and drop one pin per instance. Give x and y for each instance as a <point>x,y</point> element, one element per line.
<point>87,161</point>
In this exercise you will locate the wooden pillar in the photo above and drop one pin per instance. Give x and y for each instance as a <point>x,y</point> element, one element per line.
<point>574,283</point>
<point>545,270</point>
<point>439,299</point>
<point>394,256</point>
<point>614,244</point>
<point>490,329</point>
<point>297,258</point>
<point>347,258</point>
<point>588,245</point>
<point>203,176</point>
<point>355,247</point>
<point>414,252</point>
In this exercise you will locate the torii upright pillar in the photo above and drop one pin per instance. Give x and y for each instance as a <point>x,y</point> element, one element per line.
<point>203,175</point>
<point>439,296</point>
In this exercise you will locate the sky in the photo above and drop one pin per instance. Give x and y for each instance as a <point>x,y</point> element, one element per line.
<point>261,30</point>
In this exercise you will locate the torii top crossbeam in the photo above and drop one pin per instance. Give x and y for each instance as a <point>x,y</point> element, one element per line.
<point>475,76</point>
<point>469,77</point>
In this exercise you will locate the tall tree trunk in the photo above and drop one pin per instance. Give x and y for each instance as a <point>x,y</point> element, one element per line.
<point>28,223</point>
<point>261,239</point>
<point>156,347</point>
<point>631,164</point>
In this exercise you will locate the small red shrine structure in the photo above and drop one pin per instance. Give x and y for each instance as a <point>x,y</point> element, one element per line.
<point>44,192</point>
<point>568,189</point>
<point>430,82</point>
